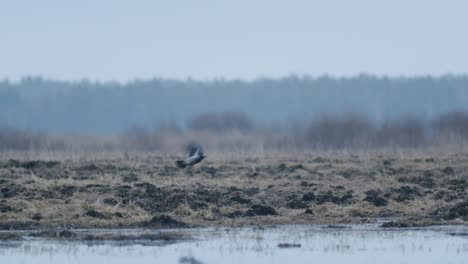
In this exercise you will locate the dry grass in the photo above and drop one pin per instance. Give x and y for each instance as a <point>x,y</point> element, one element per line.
<point>127,191</point>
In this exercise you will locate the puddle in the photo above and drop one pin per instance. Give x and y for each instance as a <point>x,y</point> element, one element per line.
<point>293,244</point>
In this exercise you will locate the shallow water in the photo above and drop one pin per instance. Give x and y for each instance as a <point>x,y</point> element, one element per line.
<point>318,244</point>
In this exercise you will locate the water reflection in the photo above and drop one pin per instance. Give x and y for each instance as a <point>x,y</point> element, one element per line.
<point>359,244</point>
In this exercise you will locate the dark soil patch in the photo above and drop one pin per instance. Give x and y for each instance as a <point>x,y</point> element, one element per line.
<point>55,234</point>
<point>291,169</point>
<point>239,199</point>
<point>19,225</point>
<point>119,215</point>
<point>410,223</point>
<point>337,227</point>
<point>253,175</point>
<point>97,188</point>
<point>89,167</point>
<point>394,171</point>
<point>296,204</point>
<point>11,190</point>
<point>110,201</point>
<point>37,217</point>
<point>449,171</point>
<point>164,221</point>
<point>373,197</point>
<point>235,214</point>
<point>77,236</point>
<point>95,214</point>
<point>148,187</point>
<point>10,236</point>
<point>123,191</point>
<point>320,160</point>
<point>132,177</point>
<point>65,191</point>
<point>425,181</point>
<point>330,197</point>
<point>4,208</point>
<point>393,224</point>
<point>406,193</point>
<point>459,210</point>
<point>446,196</point>
<point>251,191</point>
<point>387,162</point>
<point>156,200</point>
<point>310,196</point>
<point>258,209</point>
<point>351,173</point>
<point>457,185</point>
<point>32,164</point>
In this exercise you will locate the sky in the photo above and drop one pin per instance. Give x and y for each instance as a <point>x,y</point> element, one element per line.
<point>123,40</point>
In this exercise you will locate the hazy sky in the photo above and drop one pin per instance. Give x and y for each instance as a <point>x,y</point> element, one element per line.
<point>122,40</point>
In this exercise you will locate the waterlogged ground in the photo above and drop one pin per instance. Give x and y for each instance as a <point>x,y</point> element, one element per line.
<point>286,244</point>
<point>150,191</point>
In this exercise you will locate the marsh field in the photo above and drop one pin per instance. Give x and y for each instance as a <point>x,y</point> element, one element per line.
<point>198,132</point>
<point>398,189</point>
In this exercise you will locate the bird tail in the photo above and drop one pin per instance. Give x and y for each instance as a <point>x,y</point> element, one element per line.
<point>180,164</point>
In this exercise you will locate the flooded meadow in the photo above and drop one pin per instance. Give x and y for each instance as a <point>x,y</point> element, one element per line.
<point>293,244</point>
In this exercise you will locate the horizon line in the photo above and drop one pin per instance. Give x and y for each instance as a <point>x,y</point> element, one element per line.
<point>39,77</point>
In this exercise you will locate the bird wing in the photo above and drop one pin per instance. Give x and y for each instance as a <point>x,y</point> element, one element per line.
<point>191,160</point>
<point>194,149</point>
<point>191,149</point>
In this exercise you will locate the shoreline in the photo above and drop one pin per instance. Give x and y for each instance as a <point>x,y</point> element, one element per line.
<point>161,237</point>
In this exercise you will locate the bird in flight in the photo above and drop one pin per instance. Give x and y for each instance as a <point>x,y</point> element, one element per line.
<point>196,155</point>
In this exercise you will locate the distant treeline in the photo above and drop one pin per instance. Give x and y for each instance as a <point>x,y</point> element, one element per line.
<point>236,131</point>
<point>50,106</point>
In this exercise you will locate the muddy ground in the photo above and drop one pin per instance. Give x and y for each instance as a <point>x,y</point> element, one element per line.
<point>151,192</point>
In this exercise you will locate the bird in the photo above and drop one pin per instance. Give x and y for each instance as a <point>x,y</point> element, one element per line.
<point>196,155</point>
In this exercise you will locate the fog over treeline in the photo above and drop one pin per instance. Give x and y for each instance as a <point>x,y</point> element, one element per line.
<point>87,107</point>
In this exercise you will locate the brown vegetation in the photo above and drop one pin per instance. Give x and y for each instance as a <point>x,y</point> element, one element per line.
<point>236,132</point>
<point>234,190</point>
<point>332,170</point>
